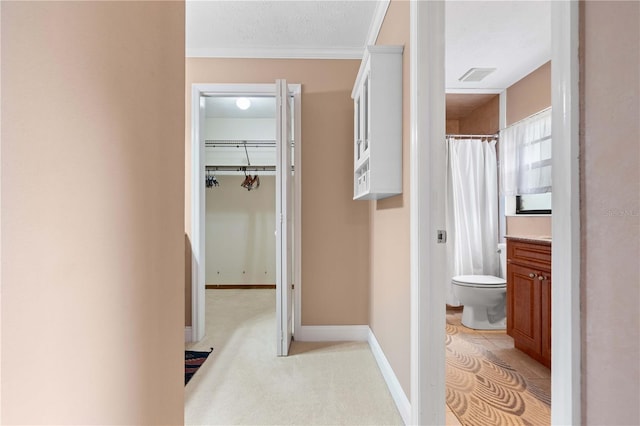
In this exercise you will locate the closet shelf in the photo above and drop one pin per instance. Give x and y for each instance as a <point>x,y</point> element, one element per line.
<point>242,168</point>
<point>231,143</point>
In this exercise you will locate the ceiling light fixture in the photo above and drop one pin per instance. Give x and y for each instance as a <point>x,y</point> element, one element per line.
<point>243,103</point>
<point>476,74</point>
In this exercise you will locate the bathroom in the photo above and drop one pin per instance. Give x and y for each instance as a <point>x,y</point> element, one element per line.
<point>498,308</point>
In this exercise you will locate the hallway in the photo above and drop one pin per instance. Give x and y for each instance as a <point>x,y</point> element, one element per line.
<point>243,382</point>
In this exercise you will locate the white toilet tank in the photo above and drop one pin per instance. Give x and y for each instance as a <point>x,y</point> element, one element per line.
<point>502,253</point>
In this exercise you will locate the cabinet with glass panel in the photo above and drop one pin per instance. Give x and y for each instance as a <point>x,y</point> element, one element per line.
<point>377,96</point>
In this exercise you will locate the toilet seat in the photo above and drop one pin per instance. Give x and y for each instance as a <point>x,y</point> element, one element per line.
<point>479,281</point>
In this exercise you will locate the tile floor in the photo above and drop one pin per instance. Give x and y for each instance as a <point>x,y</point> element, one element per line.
<point>501,345</point>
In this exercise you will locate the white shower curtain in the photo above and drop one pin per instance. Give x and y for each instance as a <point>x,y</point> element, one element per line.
<point>471,209</point>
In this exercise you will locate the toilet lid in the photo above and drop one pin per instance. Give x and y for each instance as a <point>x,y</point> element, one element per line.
<point>479,280</point>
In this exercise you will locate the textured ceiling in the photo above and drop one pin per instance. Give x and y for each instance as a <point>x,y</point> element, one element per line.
<point>512,36</point>
<point>269,28</point>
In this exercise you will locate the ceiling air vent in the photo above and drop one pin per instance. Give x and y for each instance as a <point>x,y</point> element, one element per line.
<point>476,74</point>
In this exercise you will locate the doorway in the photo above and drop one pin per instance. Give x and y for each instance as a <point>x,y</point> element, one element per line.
<point>285,149</point>
<point>428,294</point>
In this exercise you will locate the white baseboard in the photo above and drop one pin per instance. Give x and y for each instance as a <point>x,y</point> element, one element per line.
<point>399,397</point>
<point>188,335</point>
<point>331,333</point>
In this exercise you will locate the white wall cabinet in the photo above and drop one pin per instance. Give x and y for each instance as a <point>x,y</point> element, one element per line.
<point>377,148</point>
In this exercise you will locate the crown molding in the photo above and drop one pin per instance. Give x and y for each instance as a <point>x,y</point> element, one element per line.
<point>470,91</point>
<point>277,53</point>
<point>376,21</point>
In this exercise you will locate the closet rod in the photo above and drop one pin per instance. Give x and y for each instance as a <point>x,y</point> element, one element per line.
<point>242,168</point>
<point>473,136</point>
<point>212,143</point>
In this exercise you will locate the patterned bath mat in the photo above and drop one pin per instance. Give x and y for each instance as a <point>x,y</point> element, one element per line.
<point>193,360</point>
<point>484,390</point>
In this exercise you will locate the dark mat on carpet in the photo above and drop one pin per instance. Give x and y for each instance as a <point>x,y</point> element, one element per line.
<point>192,361</point>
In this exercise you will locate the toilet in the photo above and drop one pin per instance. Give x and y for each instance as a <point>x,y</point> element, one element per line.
<point>484,297</point>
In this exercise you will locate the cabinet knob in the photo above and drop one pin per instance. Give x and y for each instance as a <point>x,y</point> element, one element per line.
<point>540,277</point>
<point>532,275</point>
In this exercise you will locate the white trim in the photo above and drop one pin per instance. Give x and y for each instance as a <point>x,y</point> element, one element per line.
<point>565,227</point>
<point>197,193</point>
<point>376,22</point>
<point>188,336</point>
<point>427,117</point>
<point>297,208</point>
<point>566,330</point>
<point>474,91</point>
<point>332,333</point>
<point>276,53</point>
<point>197,217</point>
<point>502,203</point>
<point>397,393</point>
<point>388,49</point>
<point>502,119</point>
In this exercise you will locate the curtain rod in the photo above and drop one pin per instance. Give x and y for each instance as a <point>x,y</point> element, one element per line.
<point>542,111</point>
<point>495,136</point>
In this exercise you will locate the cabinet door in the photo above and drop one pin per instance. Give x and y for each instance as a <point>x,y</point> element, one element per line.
<point>545,288</point>
<point>357,128</point>
<point>524,320</point>
<point>366,112</point>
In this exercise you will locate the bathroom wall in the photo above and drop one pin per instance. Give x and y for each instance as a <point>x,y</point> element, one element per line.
<point>472,113</point>
<point>484,120</point>
<point>530,94</point>
<point>524,98</point>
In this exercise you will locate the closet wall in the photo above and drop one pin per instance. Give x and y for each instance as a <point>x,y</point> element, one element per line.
<point>240,244</point>
<point>240,128</point>
<point>239,224</point>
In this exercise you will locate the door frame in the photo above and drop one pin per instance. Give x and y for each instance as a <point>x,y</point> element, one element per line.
<point>198,202</point>
<point>427,290</point>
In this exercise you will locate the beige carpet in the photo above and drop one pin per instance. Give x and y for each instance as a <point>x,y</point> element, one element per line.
<point>482,389</point>
<point>243,382</point>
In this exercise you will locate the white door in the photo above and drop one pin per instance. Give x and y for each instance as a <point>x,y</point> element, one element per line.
<point>284,220</point>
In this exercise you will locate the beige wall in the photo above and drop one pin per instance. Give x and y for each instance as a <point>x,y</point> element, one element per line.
<point>524,98</point>
<point>610,207</point>
<point>484,120</point>
<point>529,95</point>
<point>390,256</point>
<point>335,229</point>
<point>452,127</point>
<point>92,220</point>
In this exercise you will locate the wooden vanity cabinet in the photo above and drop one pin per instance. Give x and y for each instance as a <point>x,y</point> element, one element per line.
<point>529,297</point>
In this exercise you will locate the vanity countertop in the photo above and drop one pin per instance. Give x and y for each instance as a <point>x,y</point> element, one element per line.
<point>540,239</point>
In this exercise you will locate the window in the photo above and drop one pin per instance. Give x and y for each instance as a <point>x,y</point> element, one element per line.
<point>533,203</point>
<point>525,157</point>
